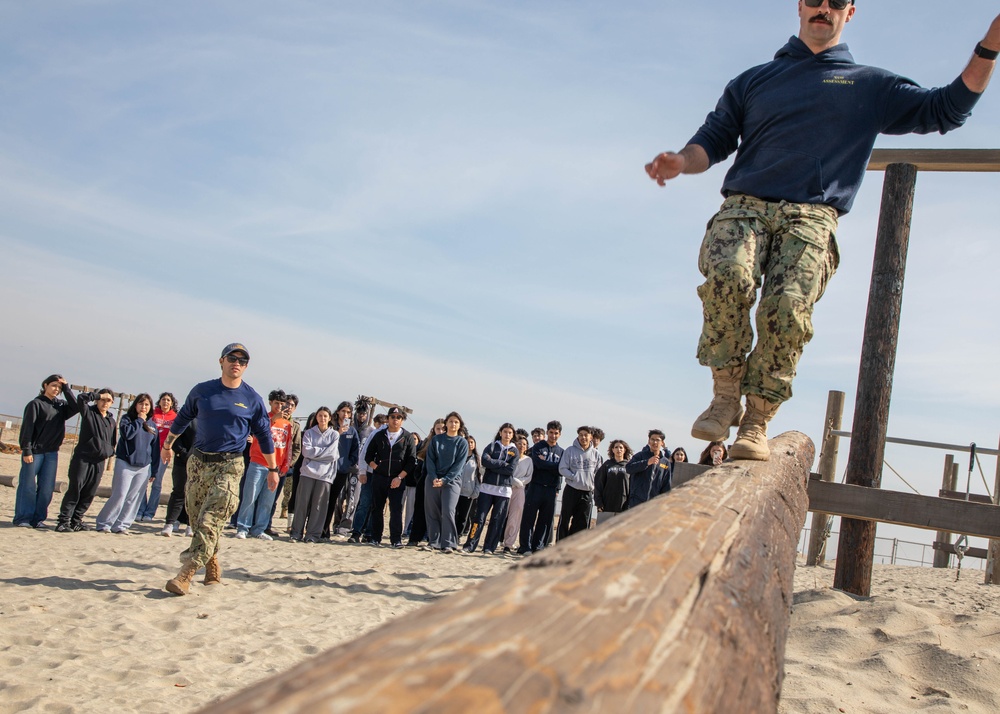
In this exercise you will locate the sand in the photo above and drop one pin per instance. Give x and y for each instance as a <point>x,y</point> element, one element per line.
<point>86,627</point>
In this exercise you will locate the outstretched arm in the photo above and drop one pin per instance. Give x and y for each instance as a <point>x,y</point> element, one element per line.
<point>692,159</point>
<point>978,72</point>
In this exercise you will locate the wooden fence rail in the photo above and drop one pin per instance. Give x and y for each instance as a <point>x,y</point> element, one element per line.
<point>679,605</point>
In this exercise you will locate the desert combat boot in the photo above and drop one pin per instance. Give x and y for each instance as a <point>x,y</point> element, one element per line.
<point>181,583</point>
<point>726,409</point>
<point>213,571</point>
<point>751,440</point>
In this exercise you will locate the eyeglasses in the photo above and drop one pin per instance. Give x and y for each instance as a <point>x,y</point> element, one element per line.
<point>834,4</point>
<point>241,361</point>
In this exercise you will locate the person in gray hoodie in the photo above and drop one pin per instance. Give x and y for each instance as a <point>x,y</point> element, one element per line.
<point>578,466</point>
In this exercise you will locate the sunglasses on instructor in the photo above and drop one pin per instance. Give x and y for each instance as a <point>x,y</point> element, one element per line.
<point>834,4</point>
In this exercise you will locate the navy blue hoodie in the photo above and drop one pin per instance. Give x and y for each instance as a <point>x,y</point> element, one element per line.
<point>803,125</point>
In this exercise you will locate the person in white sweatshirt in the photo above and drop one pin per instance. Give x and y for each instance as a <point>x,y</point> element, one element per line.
<point>320,452</point>
<point>578,466</point>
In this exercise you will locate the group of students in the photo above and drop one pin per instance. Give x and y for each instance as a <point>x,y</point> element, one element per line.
<point>441,488</point>
<point>135,442</point>
<point>338,474</point>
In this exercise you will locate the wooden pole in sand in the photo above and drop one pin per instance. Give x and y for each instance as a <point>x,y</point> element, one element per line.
<point>679,605</point>
<point>949,481</point>
<point>856,548</point>
<point>992,571</point>
<point>828,470</point>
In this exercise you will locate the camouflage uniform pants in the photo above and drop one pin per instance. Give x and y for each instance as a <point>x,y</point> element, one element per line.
<point>210,497</point>
<point>787,249</point>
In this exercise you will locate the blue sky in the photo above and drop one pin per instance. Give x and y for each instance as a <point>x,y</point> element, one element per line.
<point>443,204</point>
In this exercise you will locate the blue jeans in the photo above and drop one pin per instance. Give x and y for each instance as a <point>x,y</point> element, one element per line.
<point>35,484</point>
<point>255,511</point>
<point>147,507</point>
<point>361,522</point>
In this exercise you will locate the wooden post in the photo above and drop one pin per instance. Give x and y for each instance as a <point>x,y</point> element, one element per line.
<point>992,571</point>
<point>828,470</point>
<point>856,547</point>
<point>949,480</point>
<point>679,605</point>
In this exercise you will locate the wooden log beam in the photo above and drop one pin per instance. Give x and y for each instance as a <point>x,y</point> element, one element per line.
<point>937,159</point>
<point>904,509</point>
<point>950,549</point>
<point>681,604</point>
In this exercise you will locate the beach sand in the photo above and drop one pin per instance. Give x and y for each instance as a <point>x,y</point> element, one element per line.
<point>86,627</point>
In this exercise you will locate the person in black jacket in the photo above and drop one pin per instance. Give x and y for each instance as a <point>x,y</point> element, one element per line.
<point>499,460</point>
<point>86,466</point>
<point>650,470</point>
<point>176,512</point>
<point>540,497</point>
<point>391,455</point>
<point>43,429</point>
<point>612,481</point>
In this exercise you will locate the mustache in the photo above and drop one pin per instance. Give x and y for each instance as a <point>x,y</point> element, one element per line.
<point>822,17</point>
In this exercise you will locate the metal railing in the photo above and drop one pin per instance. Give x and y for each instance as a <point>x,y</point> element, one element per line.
<point>893,551</point>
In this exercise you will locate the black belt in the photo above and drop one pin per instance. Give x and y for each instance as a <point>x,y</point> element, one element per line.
<point>218,456</point>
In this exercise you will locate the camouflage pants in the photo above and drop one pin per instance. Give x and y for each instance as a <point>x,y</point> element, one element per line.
<point>210,497</point>
<point>790,250</point>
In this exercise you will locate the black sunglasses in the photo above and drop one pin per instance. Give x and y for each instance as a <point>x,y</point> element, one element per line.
<point>834,4</point>
<point>241,361</point>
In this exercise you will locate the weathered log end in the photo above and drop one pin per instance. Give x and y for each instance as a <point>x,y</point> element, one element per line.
<point>681,604</point>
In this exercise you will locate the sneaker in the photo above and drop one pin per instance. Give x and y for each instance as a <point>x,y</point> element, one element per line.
<point>41,526</point>
<point>146,519</point>
<point>122,531</point>
<point>189,532</point>
<point>397,545</point>
<point>271,532</point>
<point>449,551</point>
<point>64,528</point>
<point>242,535</point>
<point>104,529</point>
<point>264,536</point>
<point>354,539</point>
<point>507,551</point>
<point>24,525</point>
<point>375,544</point>
<point>311,540</point>
<point>167,531</point>
<point>80,527</point>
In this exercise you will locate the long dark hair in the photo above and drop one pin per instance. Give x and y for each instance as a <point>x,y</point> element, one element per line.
<point>706,456</point>
<point>173,401</point>
<point>133,413</point>
<point>506,425</point>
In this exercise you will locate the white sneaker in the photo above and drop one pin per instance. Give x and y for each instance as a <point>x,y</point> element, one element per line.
<point>167,531</point>
<point>189,532</point>
<point>24,525</point>
<point>264,536</point>
<point>105,529</point>
<point>242,535</point>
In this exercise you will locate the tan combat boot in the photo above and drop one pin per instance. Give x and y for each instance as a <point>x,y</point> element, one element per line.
<point>181,583</point>
<point>213,571</point>
<point>725,410</point>
<point>751,441</point>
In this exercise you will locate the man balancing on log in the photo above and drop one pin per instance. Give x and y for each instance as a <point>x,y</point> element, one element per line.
<point>803,127</point>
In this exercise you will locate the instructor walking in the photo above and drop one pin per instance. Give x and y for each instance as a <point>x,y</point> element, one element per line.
<point>227,410</point>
